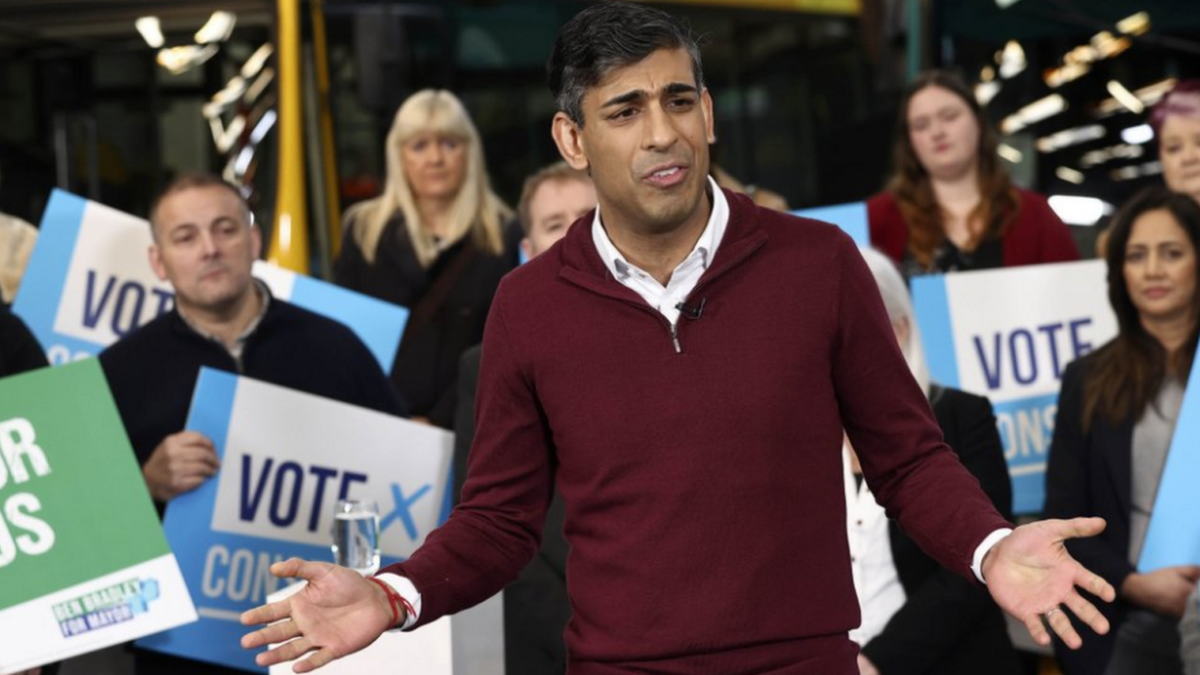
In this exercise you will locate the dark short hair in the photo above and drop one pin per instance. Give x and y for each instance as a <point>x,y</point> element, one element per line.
<point>198,179</point>
<point>560,171</point>
<point>606,36</point>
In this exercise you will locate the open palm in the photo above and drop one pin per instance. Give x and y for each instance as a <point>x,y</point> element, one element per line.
<point>1031,575</point>
<point>337,613</point>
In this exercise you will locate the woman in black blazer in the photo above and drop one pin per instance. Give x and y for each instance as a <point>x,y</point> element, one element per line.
<point>1130,389</point>
<point>946,624</point>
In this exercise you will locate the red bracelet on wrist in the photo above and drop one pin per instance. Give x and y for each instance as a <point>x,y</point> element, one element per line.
<point>395,601</point>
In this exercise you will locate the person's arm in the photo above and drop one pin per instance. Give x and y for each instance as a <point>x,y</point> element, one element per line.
<point>488,539</point>
<point>912,472</point>
<point>937,614</point>
<point>922,485</point>
<point>1055,243</point>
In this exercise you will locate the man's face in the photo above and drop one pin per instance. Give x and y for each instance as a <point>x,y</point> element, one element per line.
<point>205,247</point>
<point>555,204</point>
<point>645,141</point>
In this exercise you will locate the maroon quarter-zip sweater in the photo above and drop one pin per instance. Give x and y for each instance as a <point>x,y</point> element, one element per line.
<point>703,484</point>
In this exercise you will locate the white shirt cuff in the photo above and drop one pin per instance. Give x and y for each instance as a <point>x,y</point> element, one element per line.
<point>409,592</point>
<point>980,551</point>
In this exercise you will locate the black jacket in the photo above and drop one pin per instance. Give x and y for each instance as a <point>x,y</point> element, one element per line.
<point>426,365</point>
<point>19,349</point>
<point>153,370</point>
<point>947,624</point>
<point>1088,474</point>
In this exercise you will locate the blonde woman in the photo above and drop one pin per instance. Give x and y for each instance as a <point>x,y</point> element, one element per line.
<point>435,242</point>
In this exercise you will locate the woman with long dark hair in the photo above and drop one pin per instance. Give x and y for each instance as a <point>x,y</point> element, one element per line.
<point>1116,416</point>
<point>950,204</point>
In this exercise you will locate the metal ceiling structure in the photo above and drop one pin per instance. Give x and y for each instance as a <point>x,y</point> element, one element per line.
<point>92,24</point>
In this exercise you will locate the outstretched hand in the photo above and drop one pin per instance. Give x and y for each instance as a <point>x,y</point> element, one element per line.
<point>1031,576</point>
<point>336,614</point>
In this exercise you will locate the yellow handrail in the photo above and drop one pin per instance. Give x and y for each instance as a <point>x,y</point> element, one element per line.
<point>289,237</point>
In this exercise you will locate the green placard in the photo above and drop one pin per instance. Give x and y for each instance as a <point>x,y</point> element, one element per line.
<point>73,505</point>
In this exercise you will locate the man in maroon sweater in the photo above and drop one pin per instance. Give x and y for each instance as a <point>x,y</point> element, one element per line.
<point>682,365</point>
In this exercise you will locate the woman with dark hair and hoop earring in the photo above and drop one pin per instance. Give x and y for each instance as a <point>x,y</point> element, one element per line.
<point>1116,416</point>
<point>436,241</point>
<point>950,204</point>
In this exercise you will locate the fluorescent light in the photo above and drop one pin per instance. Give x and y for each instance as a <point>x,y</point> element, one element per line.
<point>180,59</point>
<point>1125,97</point>
<point>1057,77</point>
<point>151,31</point>
<point>218,28</point>
<point>1005,4</point>
<point>1068,137</point>
<point>1012,60</point>
<point>986,91</point>
<point>256,61</point>
<point>1148,95</point>
<point>1153,168</point>
<point>1070,175</point>
<point>1125,173</point>
<point>1033,113</point>
<point>1010,153</point>
<point>1142,133</point>
<point>1135,24</point>
<point>1079,210</point>
<point>1107,45</point>
<point>1119,151</point>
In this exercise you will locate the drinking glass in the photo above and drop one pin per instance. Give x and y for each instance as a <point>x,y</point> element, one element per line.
<point>356,536</point>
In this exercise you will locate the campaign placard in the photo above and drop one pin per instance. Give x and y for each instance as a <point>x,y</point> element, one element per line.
<point>1008,334</point>
<point>1173,537</point>
<point>83,560</point>
<point>286,459</point>
<point>851,218</point>
<point>89,282</point>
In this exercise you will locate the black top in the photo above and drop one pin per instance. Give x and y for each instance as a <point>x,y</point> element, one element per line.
<point>947,624</point>
<point>153,370</point>
<point>19,349</point>
<point>949,258</point>
<point>426,366</point>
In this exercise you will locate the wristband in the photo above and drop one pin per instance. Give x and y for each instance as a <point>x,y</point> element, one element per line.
<point>395,601</point>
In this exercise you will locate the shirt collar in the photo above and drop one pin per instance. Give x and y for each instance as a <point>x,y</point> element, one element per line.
<point>236,352</point>
<point>705,248</point>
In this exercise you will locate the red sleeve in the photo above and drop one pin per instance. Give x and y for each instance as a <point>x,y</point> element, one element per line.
<point>889,233</point>
<point>915,476</point>
<point>1039,235</point>
<point>496,528</point>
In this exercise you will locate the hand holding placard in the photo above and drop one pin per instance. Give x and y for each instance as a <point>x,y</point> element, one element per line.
<point>179,464</point>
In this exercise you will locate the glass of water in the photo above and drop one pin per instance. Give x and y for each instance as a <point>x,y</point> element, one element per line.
<point>356,536</point>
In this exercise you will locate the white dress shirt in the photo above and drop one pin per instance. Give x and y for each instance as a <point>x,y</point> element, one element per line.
<point>686,275</point>
<point>876,581</point>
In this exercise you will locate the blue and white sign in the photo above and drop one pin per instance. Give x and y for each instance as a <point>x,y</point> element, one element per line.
<point>1174,534</point>
<point>1008,334</point>
<point>286,459</point>
<point>851,218</point>
<point>89,282</point>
